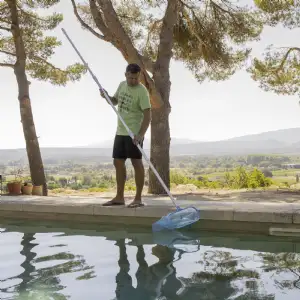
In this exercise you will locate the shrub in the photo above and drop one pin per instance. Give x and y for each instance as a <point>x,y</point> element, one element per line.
<point>178,178</point>
<point>242,179</point>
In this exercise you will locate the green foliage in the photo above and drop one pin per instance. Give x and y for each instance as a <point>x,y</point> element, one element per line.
<point>39,47</point>
<point>40,3</point>
<point>178,178</point>
<point>89,175</point>
<point>241,179</point>
<point>209,37</point>
<point>280,11</point>
<point>279,70</point>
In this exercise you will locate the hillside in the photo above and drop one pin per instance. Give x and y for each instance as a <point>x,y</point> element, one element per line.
<point>280,141</point>
<point>288,136</point>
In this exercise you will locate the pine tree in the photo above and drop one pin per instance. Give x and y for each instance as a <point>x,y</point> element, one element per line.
<point>209,36</point>
<point>279,70</point>
<point>26,50</point>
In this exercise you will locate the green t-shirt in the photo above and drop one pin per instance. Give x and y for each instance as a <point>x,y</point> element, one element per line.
<point>132,101</point>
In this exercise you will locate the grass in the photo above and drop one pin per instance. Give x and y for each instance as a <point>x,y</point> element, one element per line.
<point>291,172</point>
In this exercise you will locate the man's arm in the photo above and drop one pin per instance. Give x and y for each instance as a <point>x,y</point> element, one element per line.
<point>113,99</point>
<point>146,122</point>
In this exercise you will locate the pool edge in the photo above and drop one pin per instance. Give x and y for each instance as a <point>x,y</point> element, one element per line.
<point>230,218</point>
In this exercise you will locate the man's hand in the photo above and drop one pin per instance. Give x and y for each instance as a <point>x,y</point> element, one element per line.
<point>112,99</point>
<point>138,139</point>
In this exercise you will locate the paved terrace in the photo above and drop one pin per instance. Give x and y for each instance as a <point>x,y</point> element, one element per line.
<point>228,214</point>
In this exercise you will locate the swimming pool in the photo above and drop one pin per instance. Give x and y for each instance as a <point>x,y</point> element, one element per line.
<point>59,261</point>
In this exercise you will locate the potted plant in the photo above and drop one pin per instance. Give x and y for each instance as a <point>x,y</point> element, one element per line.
<point>37,190</point>
<point>10,187</point>
<point>14,187</point>
<point>27,188</point>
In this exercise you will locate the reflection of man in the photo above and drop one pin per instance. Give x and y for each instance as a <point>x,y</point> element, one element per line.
<point>160,278</point>
<point>124,289</point>
<point>152,282</point>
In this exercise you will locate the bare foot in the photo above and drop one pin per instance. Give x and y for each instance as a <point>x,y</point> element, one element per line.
<point>115,201</point>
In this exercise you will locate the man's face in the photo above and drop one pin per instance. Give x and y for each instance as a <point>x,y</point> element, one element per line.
<point>132,79</point>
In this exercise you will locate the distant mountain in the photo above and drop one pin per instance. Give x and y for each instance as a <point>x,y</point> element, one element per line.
<point>279,141</point>
<point>288,136</point>
<point>174,141</point>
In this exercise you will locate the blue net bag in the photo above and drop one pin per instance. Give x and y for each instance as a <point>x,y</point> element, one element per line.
<point>180,218</point>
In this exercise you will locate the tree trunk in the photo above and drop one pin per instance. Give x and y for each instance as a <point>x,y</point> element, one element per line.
<point>160,148</point>
<point>160,137</point>
<point>160,130</point>
<point>32,145</point>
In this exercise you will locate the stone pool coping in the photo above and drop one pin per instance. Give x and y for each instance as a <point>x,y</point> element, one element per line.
<point>260,217</point>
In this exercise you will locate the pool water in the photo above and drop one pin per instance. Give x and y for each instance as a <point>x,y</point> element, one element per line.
<point>58,261</point>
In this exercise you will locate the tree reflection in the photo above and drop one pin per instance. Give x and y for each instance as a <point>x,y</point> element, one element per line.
<point>44,283</point>
<point>223,277</point>
<point>283,262</point>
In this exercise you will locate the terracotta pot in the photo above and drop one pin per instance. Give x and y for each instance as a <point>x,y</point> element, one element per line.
<point>17,186</point>
<point>37,190</point>
<point>27,189</point>
<point>10,187</point>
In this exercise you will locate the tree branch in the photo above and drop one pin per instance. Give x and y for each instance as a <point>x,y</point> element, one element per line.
<point>17,36</point>
<point>108,23</point>
<point>121,40</point>
<point>4,21</point>
<point>286,57</point>
<point>85,25</point>
<point>6,65</point>
<point>214,4</point>
<point>5,28</point>
<point>152,27</point>
<point>166,34</point>
<point>99,21</point>
<point>149,64</point>
<point>8,53</point>
<point>33,57</point>
<point>28,14</point>
<point>47,63</point>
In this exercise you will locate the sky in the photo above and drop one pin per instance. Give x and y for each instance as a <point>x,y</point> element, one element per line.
<point>75,115</point>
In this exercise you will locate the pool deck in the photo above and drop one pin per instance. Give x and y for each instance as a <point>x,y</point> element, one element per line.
<point>256,217</point>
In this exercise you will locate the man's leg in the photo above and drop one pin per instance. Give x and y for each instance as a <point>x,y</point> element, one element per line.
<point>119,156</point>
<point>139,173</point>
<point>136,158</point>
<point>121,179</point>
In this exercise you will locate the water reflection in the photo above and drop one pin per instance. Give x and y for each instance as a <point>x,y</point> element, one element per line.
<point>224,276</point>
<point>182,269</point>
<point>153,282</point>
<point>283,263</point>
<point>44,282</point>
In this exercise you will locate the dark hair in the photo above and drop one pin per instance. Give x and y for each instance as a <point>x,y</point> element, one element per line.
<point>133,68</point>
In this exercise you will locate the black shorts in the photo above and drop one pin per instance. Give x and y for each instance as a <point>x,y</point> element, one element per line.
<point>125,148</point>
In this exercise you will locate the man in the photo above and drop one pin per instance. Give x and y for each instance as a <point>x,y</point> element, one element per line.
<point>133,101</point>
